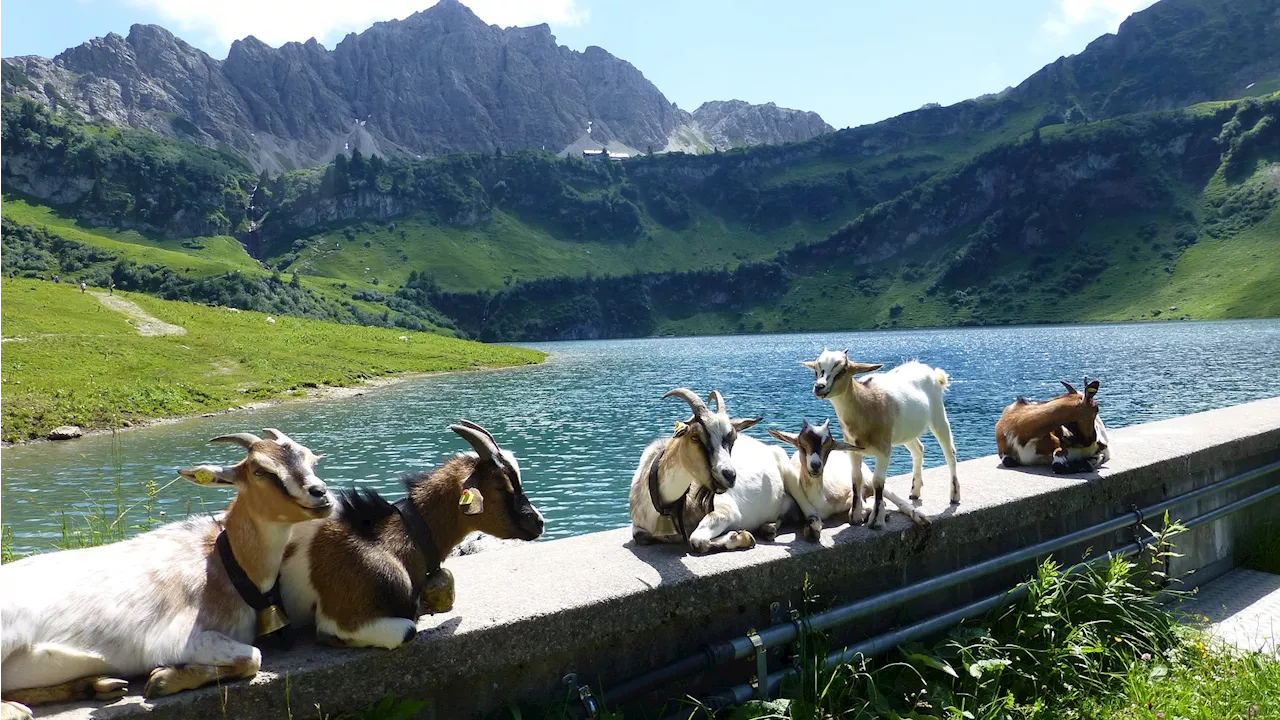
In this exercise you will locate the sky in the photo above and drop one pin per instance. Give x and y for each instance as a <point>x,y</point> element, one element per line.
<point>852,61</point>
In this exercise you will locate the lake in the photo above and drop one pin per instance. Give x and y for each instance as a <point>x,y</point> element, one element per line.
<point>579,422</point>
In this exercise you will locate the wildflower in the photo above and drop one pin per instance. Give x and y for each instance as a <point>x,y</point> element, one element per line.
<point>1160,715</point>
<point>1118,639</point>
<point>1146,657</point>
<point>1253,710</point>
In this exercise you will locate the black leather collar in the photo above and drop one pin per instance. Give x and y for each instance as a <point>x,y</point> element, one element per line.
<point>418,531</point>
<point>261,602</point>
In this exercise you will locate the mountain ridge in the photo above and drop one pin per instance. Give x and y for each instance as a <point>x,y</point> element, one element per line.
<point>439,81</point>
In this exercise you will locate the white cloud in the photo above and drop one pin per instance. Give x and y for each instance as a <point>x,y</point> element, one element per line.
<point>1074,14</point>
<point>276,22</point>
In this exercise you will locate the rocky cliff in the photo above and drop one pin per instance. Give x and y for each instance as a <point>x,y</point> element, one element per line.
<point>437,82</point>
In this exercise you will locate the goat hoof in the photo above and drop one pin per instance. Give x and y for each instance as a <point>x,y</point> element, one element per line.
<point>10,710</point>
<point>1009,461</point>
<point>744,540</point>
<point>813,532</point>
<point>914,496</point>
<point>158,684</point>
<point>768,531</point>
<point>1061,468</point>
<point>109,688</point>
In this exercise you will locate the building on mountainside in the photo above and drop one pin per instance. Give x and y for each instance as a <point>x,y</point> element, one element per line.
<point>603,154</point>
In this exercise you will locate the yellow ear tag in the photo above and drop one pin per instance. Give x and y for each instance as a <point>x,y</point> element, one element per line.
<point>680,426</point>
<point>204,477</point>
<point>468,497</point>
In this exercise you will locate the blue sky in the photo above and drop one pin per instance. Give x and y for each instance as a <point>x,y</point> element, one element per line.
<point>853,61</point>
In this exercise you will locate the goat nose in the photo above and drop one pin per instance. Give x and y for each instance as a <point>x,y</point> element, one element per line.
<point>729,475</point>
<point>317,491</point>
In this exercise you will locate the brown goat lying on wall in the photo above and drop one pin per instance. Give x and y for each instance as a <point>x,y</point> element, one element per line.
<point>365,575</point>
<point>1065,432</point>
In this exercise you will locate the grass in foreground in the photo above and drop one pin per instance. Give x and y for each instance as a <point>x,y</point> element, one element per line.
<point>80,363</point>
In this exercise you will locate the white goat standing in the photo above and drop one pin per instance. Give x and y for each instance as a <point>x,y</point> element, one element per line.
<point>883,410</point>
<point>163,603</point>
<point>708,454</point>
<point>823,483</point>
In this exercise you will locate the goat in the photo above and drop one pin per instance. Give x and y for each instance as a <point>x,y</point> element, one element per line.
<point>174,602</point>
<point>823,483</point>
<point>878,412</point>
<point>1065,432</point>
<point>365,575</point>
<point>736,481</point>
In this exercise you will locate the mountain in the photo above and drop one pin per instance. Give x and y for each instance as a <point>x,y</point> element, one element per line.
<point>724,125</point>
<point>1110,185</point>
<point>439,81</point>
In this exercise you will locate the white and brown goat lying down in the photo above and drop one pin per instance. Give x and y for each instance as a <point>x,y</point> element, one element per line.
<point>707,484</point>
<point>77,623</point>
<point>823,483</point>
<point>1065,432</point>
<point>883,410</point>
<point>365,575</point>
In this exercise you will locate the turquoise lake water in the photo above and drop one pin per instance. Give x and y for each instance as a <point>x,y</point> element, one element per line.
<point>579,422</point>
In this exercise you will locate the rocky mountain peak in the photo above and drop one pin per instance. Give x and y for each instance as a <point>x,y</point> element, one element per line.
<point>439,81</point>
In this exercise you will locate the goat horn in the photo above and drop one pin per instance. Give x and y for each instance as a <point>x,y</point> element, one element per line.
<point>700,411</point>
<point>277,436</point>
<point>244,440</point>
<point>476,427</point>
<point>718,399</point>
<point>487,449</point>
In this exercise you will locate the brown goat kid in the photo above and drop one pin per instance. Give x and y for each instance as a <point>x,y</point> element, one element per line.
<point>1065,432</point>
<point>366,575</point>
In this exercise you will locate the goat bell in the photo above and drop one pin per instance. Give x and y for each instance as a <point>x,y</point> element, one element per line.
<point>438,593</point>
<point>272,621</point>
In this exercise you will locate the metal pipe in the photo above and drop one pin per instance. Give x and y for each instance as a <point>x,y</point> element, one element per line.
<point>782,634</point>
<point>879,644</point>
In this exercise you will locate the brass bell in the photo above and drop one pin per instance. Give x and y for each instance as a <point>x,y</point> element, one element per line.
<point>272,619</point>
<point>437,592</point>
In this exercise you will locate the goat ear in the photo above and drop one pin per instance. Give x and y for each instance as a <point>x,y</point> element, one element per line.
<point>811,364</point>
<point>741,424</point>
<point>842,445</point>
<point>209,475</point>
<point>682,429</point>
<point>858,368</point>
<point>787,438</point>
<point>1069,388</point>
<point>1091,389</point>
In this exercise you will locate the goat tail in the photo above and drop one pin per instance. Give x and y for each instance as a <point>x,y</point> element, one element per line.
<point>944,380</point>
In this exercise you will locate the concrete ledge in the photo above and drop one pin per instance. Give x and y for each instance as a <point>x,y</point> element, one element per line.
<point>603,608</point>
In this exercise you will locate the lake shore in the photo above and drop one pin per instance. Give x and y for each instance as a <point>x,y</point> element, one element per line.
<point>314,394</point>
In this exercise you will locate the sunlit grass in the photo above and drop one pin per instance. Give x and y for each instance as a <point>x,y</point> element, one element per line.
<point>81,363</point>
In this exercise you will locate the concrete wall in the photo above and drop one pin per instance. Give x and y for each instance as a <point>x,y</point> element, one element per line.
<point>601,607</point>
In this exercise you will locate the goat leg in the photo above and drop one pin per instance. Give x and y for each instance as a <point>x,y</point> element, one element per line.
<point>907,508</point>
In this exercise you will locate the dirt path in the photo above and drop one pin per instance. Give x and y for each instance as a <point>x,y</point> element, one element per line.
<point>147,325</point>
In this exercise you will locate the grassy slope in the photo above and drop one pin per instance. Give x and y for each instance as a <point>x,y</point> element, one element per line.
<point>484,257</point>
<point>200,256</point>
<point>83,364</point>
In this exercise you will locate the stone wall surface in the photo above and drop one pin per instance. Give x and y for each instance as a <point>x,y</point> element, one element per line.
<point>601,607</point>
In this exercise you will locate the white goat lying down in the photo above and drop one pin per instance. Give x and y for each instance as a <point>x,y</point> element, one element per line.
<point>709,477</point>
<point>883,410</point>
<point>823,482</point>
<point>367,573</point>
<point>165,602</point>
